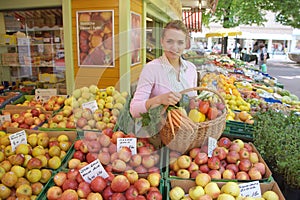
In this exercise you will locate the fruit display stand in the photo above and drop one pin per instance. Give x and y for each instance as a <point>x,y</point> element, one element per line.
<point>199,163</point>
<point>186,185</point>
<point>8,97</point>
<point>236,129</point>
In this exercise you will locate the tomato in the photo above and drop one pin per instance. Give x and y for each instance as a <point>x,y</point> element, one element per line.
<point>203,106</point>
<point>212,113</point>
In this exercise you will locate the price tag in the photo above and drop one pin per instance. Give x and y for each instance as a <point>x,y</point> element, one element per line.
<point>92,170</point>
<point>250,189</point>
<point>17,138</point>
<point>44,95</point>
<point>212,144</point>
<point>4,118</point>
<point>127,142</point>
<point>92,105</point>
<point>230,91</point>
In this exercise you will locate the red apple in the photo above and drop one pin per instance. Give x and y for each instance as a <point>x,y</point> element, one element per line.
<point>215,174</point>
<point>131,193</point>
<point>261,167</point>
<point>142,185</point>
<point>135,160</point>
<point>148,161</point>
<point>254,174</point>
<point>234,147</point>
<point>116,135</point>
<point>124,154</point>
<point>90,157</point>
<point>104,158</point>
<point>194,174</point>
<point>78,144</point>
<point>108,132</point>
<point>228,174</point>
<point>233,156</point>
<point>79,155</point>
<point>83,190</point>
<point>201,158</point>
<point>244,153</point>
<point>118,165</point>
<point>70,184</point>
<point>120,183</point>
<point>154,195</point>
<point>54,193</point>
<point>118,196</point>
<point>72,173</point>
<point>241,175</point>
<point>245,165</point>
<point>220,153</point>
<point>69,194</point>
<point>224,142</point>
<point>131,175</point>
<point>98,184</point>
<point>213,163</point>
<point>194,151</point>
<point>233,167</point>
<point>107,193</point>
<point>204,168</point>
<point>248,146</point>
<point>104,140</point>
<point>141,169</point>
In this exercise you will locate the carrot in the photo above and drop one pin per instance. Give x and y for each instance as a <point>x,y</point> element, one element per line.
<point>183,120</point>
<point>171,123</point>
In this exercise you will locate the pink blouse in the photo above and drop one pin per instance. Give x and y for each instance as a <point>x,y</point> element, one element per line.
<point>159,77</point>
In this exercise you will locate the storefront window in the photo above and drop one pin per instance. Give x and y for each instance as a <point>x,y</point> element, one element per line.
<point>153,32</point>
<point>32,48</point>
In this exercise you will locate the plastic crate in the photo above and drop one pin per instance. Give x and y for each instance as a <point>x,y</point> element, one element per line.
<point>266,178</point>
<point>239,129</point>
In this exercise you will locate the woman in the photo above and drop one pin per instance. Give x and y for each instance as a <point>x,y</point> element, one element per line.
<point>262,55</point>
<point>162,79</point>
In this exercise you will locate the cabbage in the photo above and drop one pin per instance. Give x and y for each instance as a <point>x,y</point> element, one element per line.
<point>294,97</point>
<point>286,99</point>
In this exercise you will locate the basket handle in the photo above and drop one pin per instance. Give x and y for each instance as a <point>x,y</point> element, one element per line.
<point>201,89</point>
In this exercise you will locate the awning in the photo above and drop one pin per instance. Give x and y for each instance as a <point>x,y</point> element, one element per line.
<point>192,19</point>
<point>225,32</point>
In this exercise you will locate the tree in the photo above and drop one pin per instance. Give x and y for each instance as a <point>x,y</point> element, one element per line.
<point>232,13</point>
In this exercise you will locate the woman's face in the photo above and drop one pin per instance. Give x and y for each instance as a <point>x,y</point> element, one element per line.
<point>173,43</point>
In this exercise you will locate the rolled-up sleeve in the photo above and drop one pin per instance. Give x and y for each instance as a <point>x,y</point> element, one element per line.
<point>142,93</point>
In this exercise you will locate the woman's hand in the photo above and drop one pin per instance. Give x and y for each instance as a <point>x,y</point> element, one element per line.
<point>170,98</point>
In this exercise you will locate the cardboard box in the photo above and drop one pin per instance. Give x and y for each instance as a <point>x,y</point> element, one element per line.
<point>187,184</point>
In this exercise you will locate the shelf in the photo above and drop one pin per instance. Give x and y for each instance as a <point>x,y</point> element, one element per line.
<point>45,28</point>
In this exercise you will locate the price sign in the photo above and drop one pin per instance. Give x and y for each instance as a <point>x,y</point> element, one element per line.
<point>44,95</point>
<point>4,118</point>
<point>92,170</point>
<point>250,189</point>
<point>92,105</point>
<point>212,144</point>
<point>17,138</point>
<point>127,142</point>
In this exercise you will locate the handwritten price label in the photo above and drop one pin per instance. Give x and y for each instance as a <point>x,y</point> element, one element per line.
<point>17,138</point>
<point>92,105</point>
<point>250,189</point>
<point>4,118</point>
<point>44,95</point>
<point>92,170</point>
<point>127,142</point>
<point>212,144</point>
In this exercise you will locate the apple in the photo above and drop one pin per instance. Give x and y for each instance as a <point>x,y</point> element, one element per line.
<point>248,147</point>
<point>142,185</point>
<point>119,165</point>
<point>254,174</point>
<point>83,190</point>
<point>69,194</point>
<point>261,167</point>
<point>14,117</point>
<point>118,196</point>
<point>195,173</point>
<point>202,179</point>
<point>84,148</point>
<point>215,174</point>
<point>131,193</point>
<point>34,175</point>
<point>70,184</point>
<point>54,162</point>
<point>239,142</point>
<point>22,149</point>
<point>245,165</point>
<point>60,178</point>
<point>204,168</point>
<point>107,193</point>
<point>224,142</point>
<point>135,160</point>
<point>17,159</point>
<point>98,184</point>
<point>154,195</point>
<point>24,190</point>
<point>228,174</point>
<point>94,196</point>
<point>78,144</point>
<point>141,169</point>
<point>9,179</point>
<point>184,161</point>
<point>72,174</point>
<point>73,163</point>
<point>212,189</point>
<point>244,153</point>
<point>65,145</point>
<point>112,148</point>
<point>183,173</point>
<point>116,135</point>
<point>120,183</point>
<point>220,153</point>
<point>79,155</point>
<point>201,158</point>
<point>124,154</point>
<point>194,151</point>
<point>205,197</point>
<point>241,175</point>
<point>196,191</point>
<point>148,161</point>
<point>193,167</point>
<point>18,170</point>
<point>104,140</point>
<point>253,157</point>
<point>233,167</point>
<point>46,175</point>
<point>213,163</point>
<point>54,193</point>
<point>176,193</point>
<point>234,147</point>
<point>233,157</point>
<point>131,175</point>
<point>154,179</point>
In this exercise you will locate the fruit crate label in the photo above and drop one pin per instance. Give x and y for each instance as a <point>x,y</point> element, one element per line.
<point>17,138</point>
<point>250,189</point>
<point>92,170</point>
<point>212,144</point>
<point>4,118</point>
<point>44,95</point>
<point>92,105</point>
<point>127,142</point>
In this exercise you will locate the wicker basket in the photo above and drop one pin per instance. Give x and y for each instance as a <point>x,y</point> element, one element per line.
<point>183,140</point>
